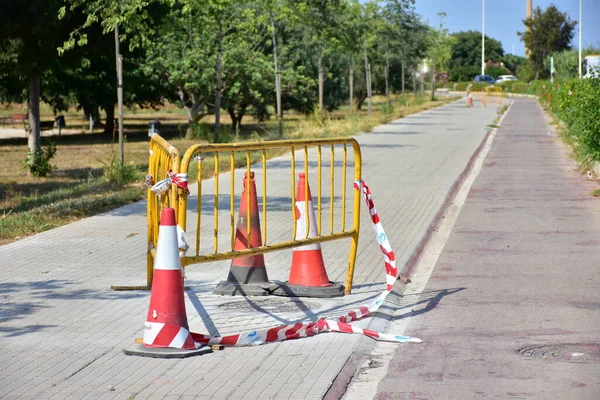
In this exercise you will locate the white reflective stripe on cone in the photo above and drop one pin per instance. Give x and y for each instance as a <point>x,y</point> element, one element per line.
<point>167,253</point>
<point>179,339</point>
<point>151,331</point>
<point>301,226</point>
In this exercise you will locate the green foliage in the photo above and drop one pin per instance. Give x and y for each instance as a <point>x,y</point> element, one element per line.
<point>566,62</point>
<point>387,109</point>
<point>496,71</point>
<point>515,87</point>
<point>38,162</point>
<point>526,72</point>
<point>548,31</point>
<point>576,103</point>
<point>513,62</point>
<point>465,62</point>
<point>119,174</point>
<point>205,131</point>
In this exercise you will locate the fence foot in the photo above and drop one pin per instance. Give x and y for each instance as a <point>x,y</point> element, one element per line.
<point>289,290</point>
<point>116,287</point>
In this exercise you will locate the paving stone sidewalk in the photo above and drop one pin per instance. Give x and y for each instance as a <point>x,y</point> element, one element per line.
<point>62,329</point>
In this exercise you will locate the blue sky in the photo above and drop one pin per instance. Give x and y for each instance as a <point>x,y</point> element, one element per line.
<point>503,18</point>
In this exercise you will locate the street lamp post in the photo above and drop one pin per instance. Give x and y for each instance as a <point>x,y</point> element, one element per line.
<point>482,37</point>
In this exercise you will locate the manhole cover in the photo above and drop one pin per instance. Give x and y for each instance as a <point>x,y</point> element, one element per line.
<point>578,352</point>
<point>274,306</point>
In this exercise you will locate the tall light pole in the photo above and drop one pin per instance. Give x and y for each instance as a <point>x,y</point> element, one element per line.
<point>528,15</point>
<point>580,29</point>
<point>482,37</point>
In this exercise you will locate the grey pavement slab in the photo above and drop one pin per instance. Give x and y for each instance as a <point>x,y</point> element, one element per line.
<point>518,278</point>
<point>62,329</point>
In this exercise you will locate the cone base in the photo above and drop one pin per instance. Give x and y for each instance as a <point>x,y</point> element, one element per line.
<point>164,352</point>
<point>227,288</point>
<point>286,289</point>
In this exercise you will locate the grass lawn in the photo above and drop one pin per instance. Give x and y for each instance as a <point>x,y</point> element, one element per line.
<point>81,184</point>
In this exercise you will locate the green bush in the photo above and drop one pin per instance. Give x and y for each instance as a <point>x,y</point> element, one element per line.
<point>206,131</point>
<point>515,87</point>
<point>576,103</point>
<point>119,174</point>
<point>38,162</point>
<point>387,109</point>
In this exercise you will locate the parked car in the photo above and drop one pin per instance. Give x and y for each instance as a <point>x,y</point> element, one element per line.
<point>505,78</point>
<point>485,79</point>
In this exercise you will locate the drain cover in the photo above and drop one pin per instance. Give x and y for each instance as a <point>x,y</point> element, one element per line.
<point>577,352</point>
<point>275,306</point>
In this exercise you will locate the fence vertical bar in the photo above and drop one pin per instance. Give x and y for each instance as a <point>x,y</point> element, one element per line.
<point>293,193</point>
<point>199,205</point>
<point>344,188</point>
<point>232,199</point>
<point>264,197</point>
<point>319,176</point>
<point>306,191</point>
<point>356,220</point>
<point>331,188</point>
<point>216,205</point>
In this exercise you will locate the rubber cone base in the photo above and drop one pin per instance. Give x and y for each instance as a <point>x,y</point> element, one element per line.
<point>288,290</point>
<point>164,352</point>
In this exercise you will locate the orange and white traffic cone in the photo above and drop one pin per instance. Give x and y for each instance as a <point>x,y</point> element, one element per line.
<point>308,277</point>
<point>166,331</point>
<point>248,274</point>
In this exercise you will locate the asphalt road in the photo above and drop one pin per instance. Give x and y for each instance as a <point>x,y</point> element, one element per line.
<point>511,307</point>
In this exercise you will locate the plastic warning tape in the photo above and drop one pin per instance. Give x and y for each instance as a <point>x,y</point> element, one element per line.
<point>339,324</point>
<point>160,187</point>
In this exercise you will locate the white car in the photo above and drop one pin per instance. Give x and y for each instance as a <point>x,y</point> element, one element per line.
<point>505,78</point>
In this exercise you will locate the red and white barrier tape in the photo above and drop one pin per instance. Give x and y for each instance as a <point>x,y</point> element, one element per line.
<point>339,324</point>
<point>160,187</point>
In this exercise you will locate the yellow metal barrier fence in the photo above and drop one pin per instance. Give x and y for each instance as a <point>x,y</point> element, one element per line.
<point>248,155</point>
<point>162,158</point>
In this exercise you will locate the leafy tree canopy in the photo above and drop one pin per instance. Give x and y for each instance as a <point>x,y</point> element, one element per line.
<point>547,31</point>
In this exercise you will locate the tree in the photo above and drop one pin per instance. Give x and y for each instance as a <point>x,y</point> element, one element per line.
<point>439,51</point>
<point>28,42</point>
<point>465,61</point>
<point>548,31</point>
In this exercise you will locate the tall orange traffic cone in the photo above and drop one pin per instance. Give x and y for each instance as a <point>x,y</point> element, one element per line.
<point>166,331</point>
<point>308,277</point>
<point>247,275</point>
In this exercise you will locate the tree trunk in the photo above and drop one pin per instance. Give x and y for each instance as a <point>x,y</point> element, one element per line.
<point>351,82</point>
<point>321,81</point>
<point>432,82</point>
<point>414,80</point>
<point>277,80</point>
<point>403,76</point>
<point>231,112</point>
<point>370,90</point>
<point>236,118</point>
<point>218,93</point>
<point>33,105</point>
<point>387,79</point>
<point>367,77</point>
<point>119,59</point>
<point>109,126</point>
